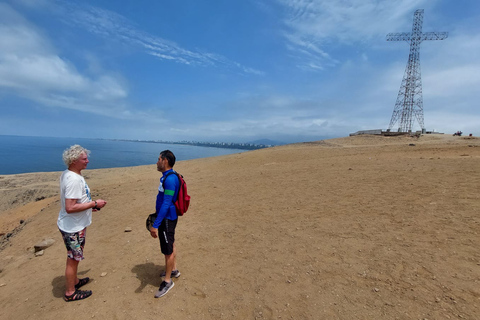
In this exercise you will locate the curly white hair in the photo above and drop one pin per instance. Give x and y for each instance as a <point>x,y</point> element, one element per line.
<point>73,153</point>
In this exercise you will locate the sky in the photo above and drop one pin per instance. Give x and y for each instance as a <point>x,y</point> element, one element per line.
<point>230,71</point>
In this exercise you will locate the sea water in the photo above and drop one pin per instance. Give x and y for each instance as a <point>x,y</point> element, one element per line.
<point>20,154</point>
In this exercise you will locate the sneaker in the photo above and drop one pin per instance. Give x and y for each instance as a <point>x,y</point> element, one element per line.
<point>164,288</point>
<point>174,274</point>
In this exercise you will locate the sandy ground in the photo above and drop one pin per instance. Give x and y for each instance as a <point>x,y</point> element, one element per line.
<point>360,227</point>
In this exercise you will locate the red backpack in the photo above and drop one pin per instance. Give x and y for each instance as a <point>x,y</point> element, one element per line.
<point>183,200</point>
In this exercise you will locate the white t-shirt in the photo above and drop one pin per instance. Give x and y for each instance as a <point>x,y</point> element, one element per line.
<point>73,186</point>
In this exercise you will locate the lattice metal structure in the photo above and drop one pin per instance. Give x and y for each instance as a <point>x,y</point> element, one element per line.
<point>409,104</point>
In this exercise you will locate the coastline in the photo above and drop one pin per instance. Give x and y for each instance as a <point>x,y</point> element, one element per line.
<point>106,153</point>
<point>25,189</point>
<point>355,227</point>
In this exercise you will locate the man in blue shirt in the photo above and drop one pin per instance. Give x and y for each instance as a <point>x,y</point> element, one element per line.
<point>166,221</point>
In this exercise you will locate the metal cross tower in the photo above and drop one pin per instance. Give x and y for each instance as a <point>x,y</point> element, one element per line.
<point>409,100</point>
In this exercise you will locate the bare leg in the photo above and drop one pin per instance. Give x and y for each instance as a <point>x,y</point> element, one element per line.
<point>170,263</point>
<point>174,253</point>
<point>71,276</point>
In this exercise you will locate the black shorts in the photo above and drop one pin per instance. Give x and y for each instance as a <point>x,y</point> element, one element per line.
<point>166,234</point>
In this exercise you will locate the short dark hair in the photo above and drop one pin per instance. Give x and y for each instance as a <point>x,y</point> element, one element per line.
<point>167,154</point>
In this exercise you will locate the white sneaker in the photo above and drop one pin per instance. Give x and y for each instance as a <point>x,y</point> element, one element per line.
<point>174,274</point>
<point>164,288</point>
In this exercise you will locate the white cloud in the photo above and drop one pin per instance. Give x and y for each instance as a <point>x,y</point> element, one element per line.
<point>450,121</point>
<point>348,20</point>
<point>455,81</point>
<point>111,25</point>
<point>313,27</point>
<point>33,72</point>
<point>30,68</point>
<point>454,66</point>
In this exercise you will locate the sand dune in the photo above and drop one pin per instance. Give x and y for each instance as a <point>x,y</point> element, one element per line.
<point>362,227</point>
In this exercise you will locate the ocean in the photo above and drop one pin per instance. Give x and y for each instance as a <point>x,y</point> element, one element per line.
<point>20,154</point>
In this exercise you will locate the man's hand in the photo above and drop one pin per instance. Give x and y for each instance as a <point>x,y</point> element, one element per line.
<point>154,232</point>
<point>101,203</point>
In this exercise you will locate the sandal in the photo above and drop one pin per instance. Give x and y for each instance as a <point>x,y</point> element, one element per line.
<point>78,295</point>
<point>81,283</point>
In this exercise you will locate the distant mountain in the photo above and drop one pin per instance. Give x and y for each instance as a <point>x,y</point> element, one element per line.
<point>267,142</point>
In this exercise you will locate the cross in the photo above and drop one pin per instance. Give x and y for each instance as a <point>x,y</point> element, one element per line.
<point>409,102</point>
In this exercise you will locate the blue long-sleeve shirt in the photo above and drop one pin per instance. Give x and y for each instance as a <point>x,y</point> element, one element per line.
<point>165,206</point>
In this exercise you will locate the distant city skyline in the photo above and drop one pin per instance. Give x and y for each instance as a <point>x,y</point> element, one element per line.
<point>233,71</point>
<point>215,144</point>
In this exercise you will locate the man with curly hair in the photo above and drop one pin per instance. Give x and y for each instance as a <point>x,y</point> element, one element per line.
<point>74,218</point>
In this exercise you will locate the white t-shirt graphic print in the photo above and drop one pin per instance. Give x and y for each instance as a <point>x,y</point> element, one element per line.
<point>73,186</point>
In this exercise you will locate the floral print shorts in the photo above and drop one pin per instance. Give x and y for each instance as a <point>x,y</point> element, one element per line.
<point>74,242</point>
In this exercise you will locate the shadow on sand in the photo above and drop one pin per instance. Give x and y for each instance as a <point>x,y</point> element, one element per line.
<point>147,273</point>
<point>58,284</point>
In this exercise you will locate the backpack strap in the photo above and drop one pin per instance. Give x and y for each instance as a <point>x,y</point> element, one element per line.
<point>166,176</point>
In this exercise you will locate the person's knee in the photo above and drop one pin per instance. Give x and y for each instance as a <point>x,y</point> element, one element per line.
<point>72,261</point>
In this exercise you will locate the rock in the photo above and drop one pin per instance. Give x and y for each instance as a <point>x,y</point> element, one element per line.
<point>128,229</point>
<point>39,253</point>
<point>103,274</point>
<point>43,244</point>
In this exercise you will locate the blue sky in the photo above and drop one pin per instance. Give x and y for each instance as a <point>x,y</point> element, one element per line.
<point>235,71</point>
